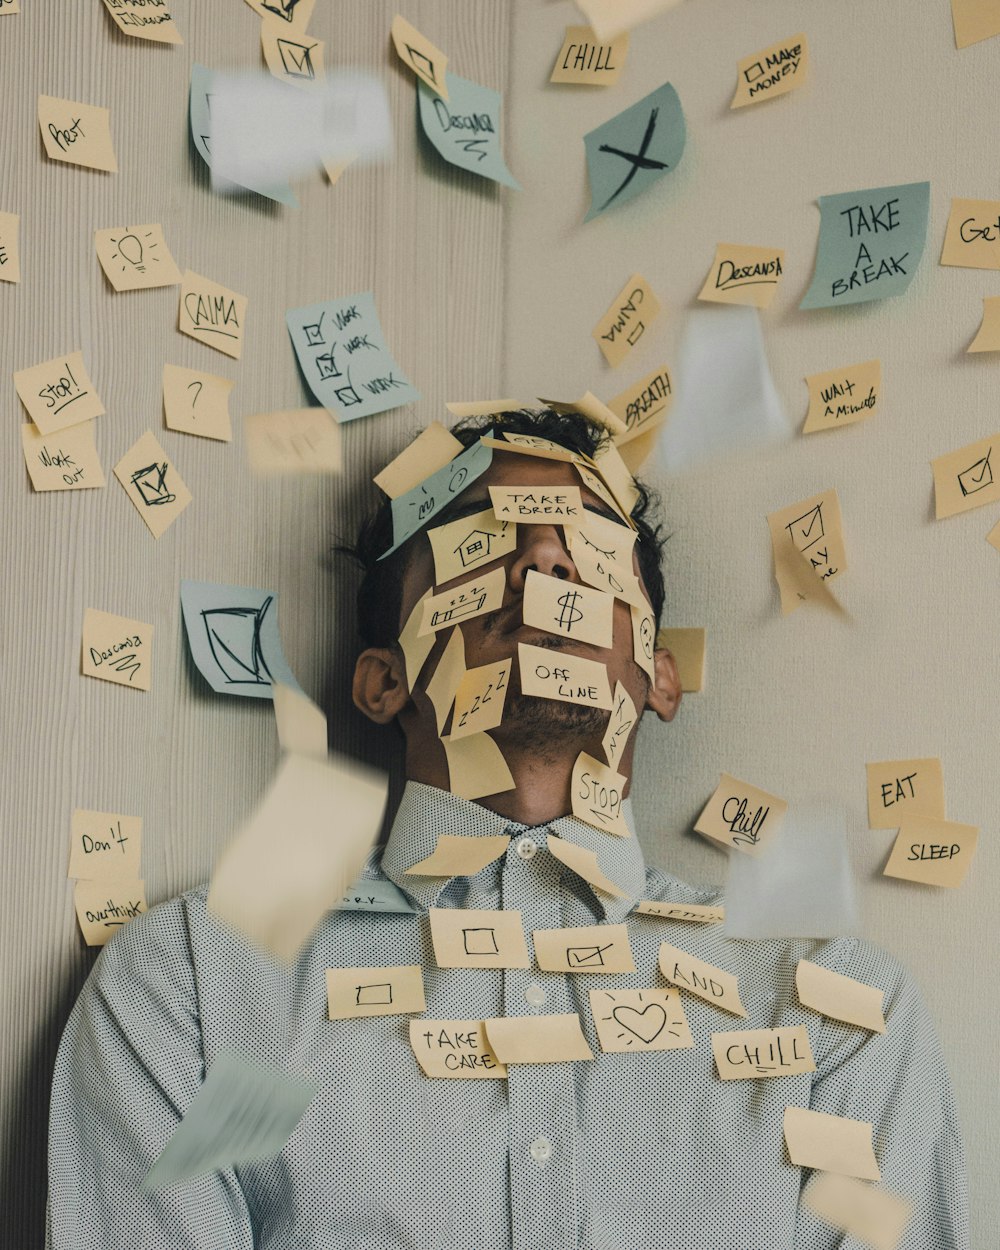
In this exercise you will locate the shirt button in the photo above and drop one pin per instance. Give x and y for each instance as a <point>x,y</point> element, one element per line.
<point>535,995</point>
<point>541,1150</point>
<point>527,849</point>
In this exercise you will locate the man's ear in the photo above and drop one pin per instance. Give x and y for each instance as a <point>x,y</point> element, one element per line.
<point>664,695</point>
<point>380,688</point>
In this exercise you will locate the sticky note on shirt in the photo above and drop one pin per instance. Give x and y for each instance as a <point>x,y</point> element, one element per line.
<point>477,938</point>
<point>546,674</point>
<point>431,450</point>
<point>773,71</point>
<point>628,1021</point>
<point>567,609</point>
<point>461,546</point>
<point>79,134</point>
<point>807,538</point>
<point>104,906</point>
<point>754,1053</point>
<point>900,788</point>
<point>480,698</point>
<point>104,845</point>
<point>294,58</point>
<point>66,460</point>
<point>136,257</point>
<point>585,59</point>
<point>621,723</point>
<point>988,335</point>
<point>624,324</point>
<point>842,396</point>
<point>741,274</point>
<point>117,649</point>
<point>687,646</point>
<point>831,1143</point>
<point>873,1216</point>
<point>965,478</point>
<point>417,52</point>
<point>212,314</point>
<point>598,794</point>
<point>465,127</point>
<point>463,602</point>
<point>151,481</point>
<point>454,1048</point>
<point>584,863</point>
<point>840,997</point>
<point>700,913</point>
<point>634,149</point>
<point>931,851</point>
<point>352,993</point>
<point>58,393</point>
<point>144,20</point>
<point>538,1039</point>
<point>456,855</point>
<point>599,949</point>
<point>741,816</point>
<point>714,985</point>
<point>195,402</point>
<point>476,767</point>
<point>10,254</point>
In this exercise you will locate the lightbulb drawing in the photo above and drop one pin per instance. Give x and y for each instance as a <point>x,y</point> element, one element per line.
<point>131,250</point>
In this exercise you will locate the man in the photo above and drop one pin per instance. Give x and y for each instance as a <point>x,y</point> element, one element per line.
<point>639,1148</point>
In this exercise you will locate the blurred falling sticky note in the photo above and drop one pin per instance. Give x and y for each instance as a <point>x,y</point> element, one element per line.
<point>598,793</point>
<point>714,985</point>
<point>195,402</point>
<point>478,938</point>
<point>609,18</point>
<point>875,1217</point>
<point>567,678</point>
<point>67,460</point>
<point>10,255</point>
<point>741,816</point>
<point>104,845</point>
<point>117,649</point>
<point>568,609</point>
<point>621,723</point>
<point>58,393</point>
<point>830,1143</point>
<point>623,325</point>
<point>481,407</point>
<point>419,506</point>
<point>898,788</point>
<point>298,440</point>
<point>584,863</point>
<point>965,479</point>
<point>634,149</point>
<point>988,335</point>
<point>755,1053</point>
<point>974,21</point>
<point>443,683</point>
<point>687,646</point>
<point>151,481</point>
<point>243,1113</point>
<point>464,601</point>
<point>458,1049</point>
<point>538,1039</point>
<point>807,540</point>
<point>294,15</point>
<point>479,699</point>
<point>743,274</point>
<point>870,243</point>
<point>132,17</point>
<point>843,396</point>
<point>457,855</point>
<point>465,128</point>
<point>293,58</point>
<point>416,647</point>
<point>104,906</point>
<point>430,451</point>
<point>972,238</point>
<point>931,851</point>
<point>476,767</point>
<point>839,997</point>
<point>77,133</point>
<point>585,59</point>
<point>634,1020</point>
<point>463,545</point>
<point>136,257</point>
<point>773,71</point>
<point>426,60</point>
<point>354,993</point>
<point>283,870</point>
<point>643,406</point>
<point>212,314</point>
<point>232,633</point>
<point>342,352</point>
<point>302,728</point>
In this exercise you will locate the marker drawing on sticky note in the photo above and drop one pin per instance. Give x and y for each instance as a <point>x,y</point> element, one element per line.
<point>899,788</point>
<point>104,846</point>
<point>643,406</point>
<point>136,257</point>
<point>621,723</point>
<point>808,544</point>
<point>417,507</point>
<point>480,698</point>
<point>602,949</point>
<point>972,236</point>
<point>630,1021</point>
<point>354,993</point>
<point>152,483</point>
<point>292,57</point>
<point>587,60</point>
<point>842,396</point>
<point>741,274</point>
<point>741,816</point>
<point>750,1054</point>
<point>624,324</point>
<point>598,794</point>
<point>568,678</point>
<point>296,441</point>
<point>531,505</point>
<point>293,15</point>
<point>195,402</point>
<point>932,851</point>
<point>965,478</point>
<point>133,17</point>
<point>105,905</point>
<point>458,1049</point>
<point>58,393</point>
<point>465,127</point>
<point>634,149</point>
<point>79,134</point>
<point>714,985</point>
<point>10,255</point>
<point>772,71</point>
<point>117,649</point>
<point>568,609</point>
<point>233,637</point>
<point>699,913</point>
<point>66,460</point>
<point>212,314</point>
<point>477,938</point>
<point>471,598</point>
<point>417,52</point>
<point>463,545</point>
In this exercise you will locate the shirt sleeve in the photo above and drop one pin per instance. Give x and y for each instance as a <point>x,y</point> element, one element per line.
<point>898,1082</point>
<point>129,1064</point>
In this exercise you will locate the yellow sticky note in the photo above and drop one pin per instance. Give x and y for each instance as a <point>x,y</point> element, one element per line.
<point>212,314</point>
<point>431,450</point>
<point>416,647</point>
<point>417,52</point>
<point>151,481</point>
<point>297,440</point>
<point>136,257</point>
<point>443,684</point>
<point>972,237</point>
<point>621,723</point>
<point>831,1143</point>
<point>754,1053</point>
<point>463,602</point>
<point>644,639</point>
<point>872,1216</point>
<point>596,484</point>
<point>104,845</point>
<point>807,539</point>
<point>687,646</point>
<point>538,1039</point>
<point>598,794</point>
<point>584,863</point>
<point>899,788</point>
<point>476,767</point>
<point>353,993</point>
<point>10,255</point>
<point>456,855</point>
<point>741,816</point>
<point>595,948</point>
<point>479,699</point>
<point>636,1020</point>
<point>463,545</point>
<point>931,851</point>
<point>195,402</point>
<point>67,460</point>
<point>843,396</point>
<point>294,15</point>
<point>481,407</point>
<point>643,406</point>
<point>334,169</point>
<point>699,913</point>
<point>568,609</point>
<point>609,18</point>
<point>145,19</point>
<point>58,393</point>
<point>118,649</point>
<point>9,6</point>
<point>293,57</point>
<point>974,21</point>
<point>714,985</point>
<point>583,58</point>
<point>102,907</point>
<point>602,552</point>
<point>569,678</point>
<point>534,505</point>
<point>993,537</point>
<point>454,1048</point>
<point>743,274</point>
<point>609,464</point>
<point>622,327</point>
<point>77,133</point>
<point>965,478</point>
<point>302,727</point>
<point>775,70</point>
<point>988,335</point>
<point>477,938</point>
<point>588,405</point>
<point>842,998</point>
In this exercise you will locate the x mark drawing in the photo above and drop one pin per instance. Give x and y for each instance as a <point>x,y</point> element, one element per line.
<point>639,160</point>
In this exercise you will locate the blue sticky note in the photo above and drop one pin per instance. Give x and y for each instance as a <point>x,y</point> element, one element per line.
<point>232,633</point>
<point>421,504</point>
<point>342,353</point>
<point>200,116</point>
<point>368,895</point>
<point>465,128</point>
<point>634,149</point>
<point>870,243</point>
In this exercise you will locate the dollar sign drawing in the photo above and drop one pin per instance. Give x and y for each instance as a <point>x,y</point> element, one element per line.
<point>570,613</point>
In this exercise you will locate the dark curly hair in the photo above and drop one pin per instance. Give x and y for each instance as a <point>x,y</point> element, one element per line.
<point>381,589</point>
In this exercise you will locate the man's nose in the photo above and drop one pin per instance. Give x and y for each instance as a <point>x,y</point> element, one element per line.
<point>543,549</point>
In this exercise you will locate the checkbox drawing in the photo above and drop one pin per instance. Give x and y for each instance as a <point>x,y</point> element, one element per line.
<point>977,476</point>
<point>296,59</point>
<point>421,63</point>
<point>755,71</point>
<point>587,956</point>
<point>636,333</point>
<point>326,366</point>
<point>151,485</point>
<point>807,529</point>
<point>375,995</point>
<point>314,331</point>
<point>480,941</point>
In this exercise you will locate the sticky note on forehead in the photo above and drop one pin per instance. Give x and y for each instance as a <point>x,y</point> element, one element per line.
<point>429,452</point>
<point>417,52</point>
<point>419,506</point>
<point>536,505</point>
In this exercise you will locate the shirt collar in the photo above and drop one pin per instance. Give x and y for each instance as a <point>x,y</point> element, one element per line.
<point>425,811</point>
